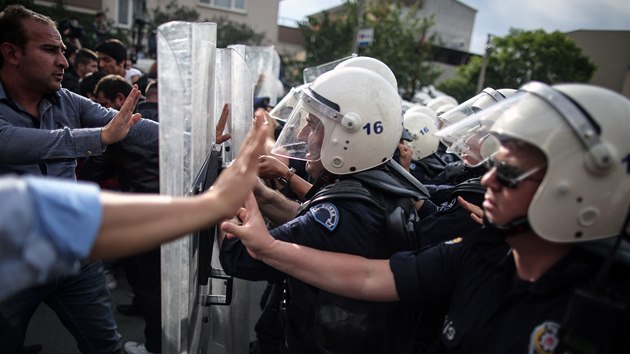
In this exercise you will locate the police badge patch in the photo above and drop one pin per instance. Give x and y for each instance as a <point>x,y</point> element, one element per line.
<point>326,214</point>
<point>544,338</point>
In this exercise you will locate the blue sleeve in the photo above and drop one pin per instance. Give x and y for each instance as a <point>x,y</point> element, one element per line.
<point>68,214</point>
<point>64,131</point>
<point>47,227</point>
<point>346,226</point>
<point>238,263</point>
<point>342,226</point>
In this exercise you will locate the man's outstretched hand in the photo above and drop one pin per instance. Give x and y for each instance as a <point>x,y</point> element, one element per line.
<point>118,128</point>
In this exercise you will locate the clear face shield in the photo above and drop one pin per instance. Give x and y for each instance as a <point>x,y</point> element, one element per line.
<point>483,100</point>
<point>303,134</point>
<point>470,138</point>
<point>283,109</point>
<point>474,138</point>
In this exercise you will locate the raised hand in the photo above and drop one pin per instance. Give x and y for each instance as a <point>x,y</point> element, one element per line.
<point>220,137</point>
<point>118,128</point>
<point>271,167</point>
<point>405,156</point>
<point>237,181</point>
<point>476,213</point>
<point>252,231</point>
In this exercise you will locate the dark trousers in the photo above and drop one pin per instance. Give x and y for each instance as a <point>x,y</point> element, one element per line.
<point>83,304</point>
<point>144,275</point>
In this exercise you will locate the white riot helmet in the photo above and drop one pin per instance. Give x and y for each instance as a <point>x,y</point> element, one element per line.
<point>425,110</point>
<point>422,129</point>
<point>371,64</point>
<point>486,98</point>
<point>359,114</point>
<point>421,109</point>
<point>436,102</point>
<point>444,108</point>
<point>583,131</point>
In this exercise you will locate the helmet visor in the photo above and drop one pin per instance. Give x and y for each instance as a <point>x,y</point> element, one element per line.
<point>303,134</point>
<point>283,109</point>
<point>471,140</point>
<point>483,100</point>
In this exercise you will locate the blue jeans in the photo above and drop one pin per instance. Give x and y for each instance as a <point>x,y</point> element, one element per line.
<point>83,304</point>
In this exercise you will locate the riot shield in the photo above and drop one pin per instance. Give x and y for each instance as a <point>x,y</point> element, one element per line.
<point>235,87</point>
<point>227,329</point>
<point>186,108</point>
<point>264,65</point>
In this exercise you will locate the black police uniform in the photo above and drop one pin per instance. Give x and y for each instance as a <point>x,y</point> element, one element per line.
<point>353,215</point>
<point>490,310</point>
<point>450,220</point>
<point>442,168</point>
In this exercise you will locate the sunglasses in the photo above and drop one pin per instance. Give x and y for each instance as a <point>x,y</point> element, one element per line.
<point>510,176</point>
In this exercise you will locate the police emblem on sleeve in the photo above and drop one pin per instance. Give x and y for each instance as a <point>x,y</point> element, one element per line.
<point>544,338</point>
<point>326,214</point>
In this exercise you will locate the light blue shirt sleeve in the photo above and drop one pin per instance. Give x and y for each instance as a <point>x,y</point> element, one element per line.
<point>47,226</point>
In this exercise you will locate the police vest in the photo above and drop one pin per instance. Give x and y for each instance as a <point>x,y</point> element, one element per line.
<point>316,321</point>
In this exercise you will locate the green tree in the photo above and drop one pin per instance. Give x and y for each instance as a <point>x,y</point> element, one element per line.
<point>231,32</point>
<point>330,37</point>
<point>400,39</point>
<point>523,56</point>
<point>174,12</point>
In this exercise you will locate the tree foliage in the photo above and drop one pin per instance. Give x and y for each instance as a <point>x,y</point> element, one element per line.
<point>231,32</point>
<point>400,39</point>
<point>520,57</point>
<point>174,12</point>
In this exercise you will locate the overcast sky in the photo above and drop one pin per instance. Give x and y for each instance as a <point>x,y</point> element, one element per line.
<point>496,17</point>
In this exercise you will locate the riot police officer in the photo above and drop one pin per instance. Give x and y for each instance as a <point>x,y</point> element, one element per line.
<point>346,126</point>
<point>542,276</point>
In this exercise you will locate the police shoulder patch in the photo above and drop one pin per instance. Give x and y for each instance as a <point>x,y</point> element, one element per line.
<point>544,338</point>
<point>326,214</point>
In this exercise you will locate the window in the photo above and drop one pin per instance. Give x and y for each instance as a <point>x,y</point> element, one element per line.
<point>231,5</point>
<point>124,12</point>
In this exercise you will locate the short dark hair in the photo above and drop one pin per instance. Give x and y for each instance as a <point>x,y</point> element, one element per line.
<point>114,48</point>
<point>84,56</point>
<point>11,25</point>
<point>88,83</point>
<point>112,85</point>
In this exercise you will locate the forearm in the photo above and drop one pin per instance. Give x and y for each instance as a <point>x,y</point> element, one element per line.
<point>299,186</point>
<point>135,223</point>
<point>275,206</point>
<point>343,274</point>
<point>29,145</point>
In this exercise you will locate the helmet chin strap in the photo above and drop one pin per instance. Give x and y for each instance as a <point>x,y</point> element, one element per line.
<point>514,227</point>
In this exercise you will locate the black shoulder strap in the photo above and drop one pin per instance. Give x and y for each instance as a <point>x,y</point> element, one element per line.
<point>396,203</point>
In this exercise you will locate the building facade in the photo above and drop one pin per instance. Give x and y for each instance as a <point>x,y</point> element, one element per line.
<point>610,52</point>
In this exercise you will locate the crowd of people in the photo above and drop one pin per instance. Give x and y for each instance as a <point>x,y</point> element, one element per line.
<point>498,225</point>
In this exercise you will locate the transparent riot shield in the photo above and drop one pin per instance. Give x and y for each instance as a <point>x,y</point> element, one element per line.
<point>235,87</point>
<point>264,65</point>
<point>228,327</point>
<point>186,96</point>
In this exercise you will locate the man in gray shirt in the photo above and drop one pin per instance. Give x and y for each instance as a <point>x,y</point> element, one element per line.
<point>43,130</point>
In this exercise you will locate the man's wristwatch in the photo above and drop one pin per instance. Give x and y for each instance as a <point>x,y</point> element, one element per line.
<point>286,179</point>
